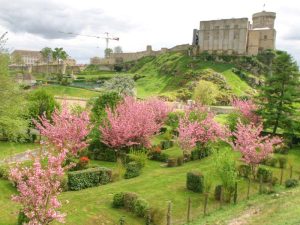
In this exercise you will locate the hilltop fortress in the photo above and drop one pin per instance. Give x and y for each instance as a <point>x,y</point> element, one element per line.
<point>225,36</point>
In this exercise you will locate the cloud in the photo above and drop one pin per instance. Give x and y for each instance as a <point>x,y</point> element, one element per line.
<point>47,18</point>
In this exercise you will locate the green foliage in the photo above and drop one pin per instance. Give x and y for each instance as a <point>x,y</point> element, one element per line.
<point>141,207</point>
<point>265,173</point>
<point>280,93</point>
<point>107,99</point>
<point>291,183</point>
<point>165,144</point>
<point>4,172</point>
<point>22,218</point>
<point>195,182</point>
<point>13,108</point>
<point>40,102</point>
<point>130,199</point>
<point>139,156</point>
<point>123,85</point>
<point>206,92</point>
<point>173,119</point>
<point>282,161</point>
<point>244,170</point>
<point>226,171</point>
<point>82,179</point>
<point>180,161</point>
<point>272,161</point>
<point>158,156</point>
<point>133,169</point>
<point>118,200</point>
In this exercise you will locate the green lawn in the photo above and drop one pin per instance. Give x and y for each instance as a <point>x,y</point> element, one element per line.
<point>59,90</point>
<point>157,184</point>
<point>8,149</point>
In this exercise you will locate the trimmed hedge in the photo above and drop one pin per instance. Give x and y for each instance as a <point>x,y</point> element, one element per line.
<point>133,169</point>
<point>166,144</point>
<point>244,171</point>
<point>172,162</point>
<point>159,156</point>
<point>131,202</point>
<point>282,162</point>
<point>218,190</point>
<point>92,177</point>
<point>195,182</point>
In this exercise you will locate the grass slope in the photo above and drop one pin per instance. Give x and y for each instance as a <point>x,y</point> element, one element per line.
<point>157,184</point>
<point>8,149</point>
<point>167,73</point>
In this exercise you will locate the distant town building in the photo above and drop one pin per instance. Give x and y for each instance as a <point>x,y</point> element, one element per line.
<point>26,57</point>
<point>25,79</point>
<point>237,36</point>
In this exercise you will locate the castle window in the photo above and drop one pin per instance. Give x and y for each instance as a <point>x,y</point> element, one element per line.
<point>265,37</point>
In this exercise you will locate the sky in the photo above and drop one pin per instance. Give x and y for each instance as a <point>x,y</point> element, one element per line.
<point>34,24</point>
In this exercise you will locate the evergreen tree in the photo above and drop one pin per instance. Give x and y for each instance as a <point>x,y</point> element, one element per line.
<point>280,93</point>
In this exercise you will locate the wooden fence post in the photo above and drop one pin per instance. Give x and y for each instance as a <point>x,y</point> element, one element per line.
<point>291,172</point>
<point>169,219</point>
<point>189,210</point>
<point>205,203</point>
<point>221,196</point>
<point>260,183</point>
<point>235,193</point>
<point>281,176</point>
<point>248,190</point>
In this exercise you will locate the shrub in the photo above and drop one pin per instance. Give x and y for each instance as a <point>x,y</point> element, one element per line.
<point>141,207</point>
<point>139,156</point>
<point>64,184</point>
<point>218,193</point>
<point>82,179</point>
<point>173,119</point>
<point>157,216</point>
<point>133,169</point>
<point>166,144</point>
<point>22,218</point>
<point>158,156</point>
<point>282,162</point>
<point>4,172</point>
<point>129,200</point>
<point>290,183</point>
<point>118,200</point>
<point>265,173</point>
<point>244,171</point>
<point>101,152</point>
<point>195,182</point>
<point>83,163</point>
<point>180,161</point>
<point>172,162</point>
<point>271,162</point>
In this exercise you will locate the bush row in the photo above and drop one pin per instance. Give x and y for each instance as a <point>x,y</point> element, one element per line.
<point>91,177</point>
<point>195,182</point>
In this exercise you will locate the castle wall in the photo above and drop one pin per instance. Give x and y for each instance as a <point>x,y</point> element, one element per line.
<point>228,35</point>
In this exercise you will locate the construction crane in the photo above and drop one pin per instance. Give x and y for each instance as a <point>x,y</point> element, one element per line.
<point>107,37</point>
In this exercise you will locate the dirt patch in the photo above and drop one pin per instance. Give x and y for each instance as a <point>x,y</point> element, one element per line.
<point>243,218</point>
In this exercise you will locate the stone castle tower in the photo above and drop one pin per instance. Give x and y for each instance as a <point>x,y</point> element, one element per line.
<point>237,36</point>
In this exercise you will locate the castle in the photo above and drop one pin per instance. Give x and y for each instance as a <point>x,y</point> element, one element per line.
<point>237,36</point>
<point>225,36</point>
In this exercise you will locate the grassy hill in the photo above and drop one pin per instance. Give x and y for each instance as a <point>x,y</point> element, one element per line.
<point>168,73</point>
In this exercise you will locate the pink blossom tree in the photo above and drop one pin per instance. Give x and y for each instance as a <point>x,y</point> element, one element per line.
<point>198,126</point>
<point>253,146</point>
<point>247,109</point>
<point>133,122</point>
<point>39,185</point>
<point>65,130</point>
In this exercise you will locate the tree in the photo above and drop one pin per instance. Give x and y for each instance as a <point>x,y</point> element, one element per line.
<point>252,145</point>
<point>38,189</point>
<point>13,109</point>
<point>60,55</point>
<point>206,92</point>
<point>118,49</point>
<point>3,41</point>
<point>66,131</point>
<point>198,126</point>
<point>107,52</point>
<point>47,54</point>
<point>132,123</point>
<point>123,85</point>
<point>41,103</point>
<point>280,93</point>
<point>225,169</point>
